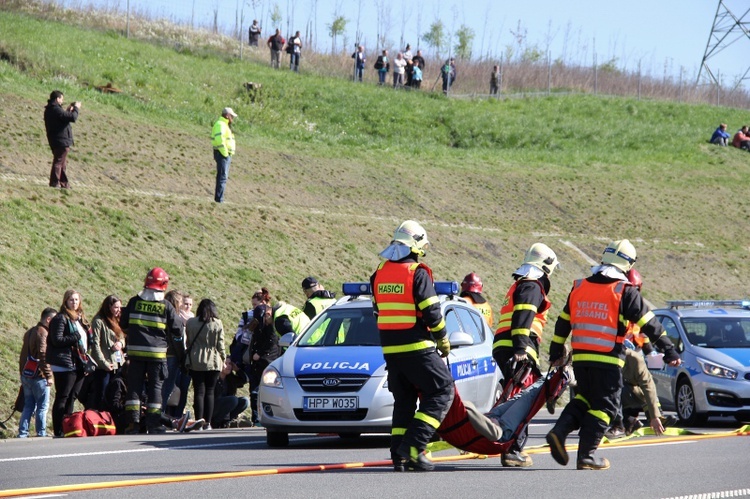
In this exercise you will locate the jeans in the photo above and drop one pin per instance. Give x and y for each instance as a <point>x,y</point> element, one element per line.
<point>228,408</point>
<point>381,77</point>
<point>294,62</point>
<point>173,367</point>
<point>222,174</point>
<point>510,414</point>
<point>275,58</point>
<point>35,397</point>
<point>359,73</point>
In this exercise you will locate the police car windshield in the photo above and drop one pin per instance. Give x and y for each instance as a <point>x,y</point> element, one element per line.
<point>718,332</point>
<point>342,327</point>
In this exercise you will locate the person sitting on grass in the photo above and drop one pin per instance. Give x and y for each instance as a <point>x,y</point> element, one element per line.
<point>720,136</point>
<point>741,139</point>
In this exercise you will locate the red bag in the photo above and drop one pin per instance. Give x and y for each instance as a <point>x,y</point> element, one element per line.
<point>73,425</point>
<point>98,423</point>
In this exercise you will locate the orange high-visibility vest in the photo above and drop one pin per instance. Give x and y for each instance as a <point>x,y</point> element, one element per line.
<point>594,320</point>
<point>503,334</point>
<point>484,308</point>
<point>393,292</point>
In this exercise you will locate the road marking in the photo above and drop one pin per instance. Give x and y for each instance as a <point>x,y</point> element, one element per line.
<point>716,495</point>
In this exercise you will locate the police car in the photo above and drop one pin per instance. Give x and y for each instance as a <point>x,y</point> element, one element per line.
<point>713,339</point>
<point>332,378</point>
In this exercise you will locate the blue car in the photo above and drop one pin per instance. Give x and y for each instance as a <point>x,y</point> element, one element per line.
<point>332,378</point>
<point>713,339</point>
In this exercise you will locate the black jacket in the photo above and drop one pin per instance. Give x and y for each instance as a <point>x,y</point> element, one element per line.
<point>62,340</point>
<point>57,122</point>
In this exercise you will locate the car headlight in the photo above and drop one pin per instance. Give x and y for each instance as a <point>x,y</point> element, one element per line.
<point>272,378</point>
<point>716,370</point>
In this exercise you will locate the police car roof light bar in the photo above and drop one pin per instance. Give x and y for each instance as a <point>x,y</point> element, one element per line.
<point>709,303</point>
<point>363,288</point>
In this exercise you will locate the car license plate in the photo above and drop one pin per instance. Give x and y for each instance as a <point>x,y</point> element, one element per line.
<point>330,403</point>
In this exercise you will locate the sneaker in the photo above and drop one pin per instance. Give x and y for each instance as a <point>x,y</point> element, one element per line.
<point>157,430</point>
<point>593,463</point>
<point>196,425</point>
<point>615,432</point>
<point>179,425</point>
<point>516,459</point>
<point>557,448</point>
<point>207,427</point>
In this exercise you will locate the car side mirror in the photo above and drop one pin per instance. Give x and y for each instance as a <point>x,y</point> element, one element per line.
<point>461,339</point>
<point>286,340</point>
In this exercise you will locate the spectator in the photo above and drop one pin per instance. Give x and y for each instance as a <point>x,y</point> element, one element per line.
<point>174,352</point>
<point>416,77</point>
<point>495,80</point>
<point>255,31</point>
<point>318,299</point>
<point>409,71</point>
<point>741,139</point>
<point>448,73</point>
<point>399,69</point>
<point>418,60</point>
<point>68,338</point>
<point>276,43</point>
<point>382,66</point>
<point>294,49</point>
<point>107,346</point>
<point>60,136</point>
<point>186,308</point>
<point>36,376</point>
<point>359,63</point>
<point>222,140</point>
<point>720,136</point>
<point>228,406</point>
<point>407,53</point>
<point>205,357</point>
<point>264,344</point>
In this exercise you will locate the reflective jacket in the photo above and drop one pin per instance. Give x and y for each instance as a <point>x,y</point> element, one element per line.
<point>319,301</point>
<point>522,319</point>
<point>297,320</point>
<point>407,307</point>
<point>222,138</point>
<point>480,304</point>
<point>150,327</point>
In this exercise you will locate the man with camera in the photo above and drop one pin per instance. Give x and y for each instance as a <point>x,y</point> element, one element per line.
<point>60,136</point>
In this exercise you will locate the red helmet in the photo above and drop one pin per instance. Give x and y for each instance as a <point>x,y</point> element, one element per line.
<point>635,278</point>
<point>471,284</point>
<point>156,279</point>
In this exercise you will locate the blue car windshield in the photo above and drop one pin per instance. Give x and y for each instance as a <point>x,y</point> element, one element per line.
<point>342,327</point>
<point>713,332</point>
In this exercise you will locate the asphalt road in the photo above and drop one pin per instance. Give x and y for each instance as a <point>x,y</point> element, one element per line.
<point>643,467</point>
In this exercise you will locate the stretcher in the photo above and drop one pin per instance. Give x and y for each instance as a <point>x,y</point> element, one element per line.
<point>467,429</point>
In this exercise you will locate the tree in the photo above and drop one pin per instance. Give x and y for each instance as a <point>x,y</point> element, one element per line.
<point>435,37</point>
<point>336,28</point>
<point>276,16</point>
<point>465,38</point>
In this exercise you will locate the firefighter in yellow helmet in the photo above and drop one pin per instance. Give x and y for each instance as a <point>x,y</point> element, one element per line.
<point>471,291</point>
<point>597,313</point>
<point>411,325</point>
<point>522,319</point>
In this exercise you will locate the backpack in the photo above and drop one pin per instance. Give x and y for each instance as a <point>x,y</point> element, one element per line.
<point>379,62</point>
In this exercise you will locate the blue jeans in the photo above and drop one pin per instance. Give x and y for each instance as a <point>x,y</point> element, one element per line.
<point>381,77</point>
<point>222,174</point>
<point>359,73</point>
<point>510,414</point>
<point>36,397</point>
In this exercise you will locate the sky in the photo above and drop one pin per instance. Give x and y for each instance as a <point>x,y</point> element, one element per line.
<point>666,38</point>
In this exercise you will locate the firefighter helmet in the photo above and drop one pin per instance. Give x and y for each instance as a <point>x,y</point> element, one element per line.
<point>472,283</point>
<point>635,278</point>
<point>156,279</point>
<point>542,257</point>
<point>620,254</point>
<point>413,236</point>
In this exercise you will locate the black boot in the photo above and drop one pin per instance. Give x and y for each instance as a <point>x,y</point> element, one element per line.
<point>415,460</point>
<point>399,463</point>
<point>587,445</point>
<point>254,406</point>
<point>566,424</point>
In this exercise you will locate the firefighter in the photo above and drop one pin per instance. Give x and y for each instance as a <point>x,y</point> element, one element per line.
<point>287,318</point>
<point>597,313</point>
<point>634,332</point>
<point>152,324</point>
<point>471,290</point>
<point>522,319</point>
<point>318,298</point>
<point>411,325</point>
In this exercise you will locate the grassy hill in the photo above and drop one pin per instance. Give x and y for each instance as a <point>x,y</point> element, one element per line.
<point>325,170</point>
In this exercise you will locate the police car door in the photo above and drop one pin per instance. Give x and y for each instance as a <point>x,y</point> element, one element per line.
<point>463,364</point>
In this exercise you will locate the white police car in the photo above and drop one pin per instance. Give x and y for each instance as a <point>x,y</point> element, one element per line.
<point>713,339</point>
<point>332,378</point>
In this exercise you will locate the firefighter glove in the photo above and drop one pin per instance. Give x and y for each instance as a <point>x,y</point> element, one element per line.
<point>444,345</point>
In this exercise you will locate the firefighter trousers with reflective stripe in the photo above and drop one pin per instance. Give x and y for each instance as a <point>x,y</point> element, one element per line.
<point>594,407</point>
<point>152,374</point>
<point>423,376</point>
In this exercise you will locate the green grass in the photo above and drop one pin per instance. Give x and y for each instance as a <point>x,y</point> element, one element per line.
<point>325,170</point>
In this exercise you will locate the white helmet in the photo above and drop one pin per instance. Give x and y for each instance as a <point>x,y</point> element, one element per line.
<point>620,254</point>
<point>542,257</point>
<point>409,237</point>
